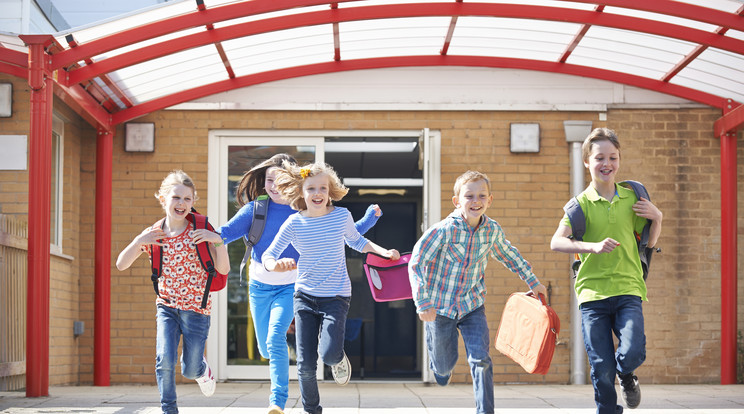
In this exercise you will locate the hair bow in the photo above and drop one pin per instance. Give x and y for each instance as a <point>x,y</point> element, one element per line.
<point>304,172</point>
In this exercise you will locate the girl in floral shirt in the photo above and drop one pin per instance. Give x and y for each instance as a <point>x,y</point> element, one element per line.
<point>180,288</point>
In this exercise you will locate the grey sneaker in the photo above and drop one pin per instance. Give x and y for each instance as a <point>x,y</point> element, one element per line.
<point>342,371</point>
<point>631,390</point>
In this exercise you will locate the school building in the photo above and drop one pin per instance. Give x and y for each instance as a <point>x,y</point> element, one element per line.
<point>400,97</point>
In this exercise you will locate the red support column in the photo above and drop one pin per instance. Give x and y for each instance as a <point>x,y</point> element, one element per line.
<point>102,340</point>
<point>728,257</point>
<point>39,199</point>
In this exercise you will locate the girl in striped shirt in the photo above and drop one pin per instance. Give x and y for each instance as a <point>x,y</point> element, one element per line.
<point>323,290</point>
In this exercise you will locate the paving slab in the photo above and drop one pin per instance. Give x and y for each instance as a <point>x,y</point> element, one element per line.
<point>374,398</point>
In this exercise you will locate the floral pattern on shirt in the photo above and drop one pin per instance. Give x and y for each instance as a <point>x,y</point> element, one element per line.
<point>182,277</point>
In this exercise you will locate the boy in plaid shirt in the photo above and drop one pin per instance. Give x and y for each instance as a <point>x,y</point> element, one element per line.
<point>447,270</point>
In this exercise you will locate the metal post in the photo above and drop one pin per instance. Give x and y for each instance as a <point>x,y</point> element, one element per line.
<point>728,258</point>
<point>39,199</point>
<point>102,340</point>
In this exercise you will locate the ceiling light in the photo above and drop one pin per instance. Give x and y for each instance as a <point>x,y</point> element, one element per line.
<point>369,146</point>
<point>384,182</point>
<point>382,191</point>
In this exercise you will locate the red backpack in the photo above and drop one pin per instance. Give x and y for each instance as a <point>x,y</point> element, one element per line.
<point>215,281</point>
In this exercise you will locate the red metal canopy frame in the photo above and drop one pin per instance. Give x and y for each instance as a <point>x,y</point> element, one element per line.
<point>50,67</point>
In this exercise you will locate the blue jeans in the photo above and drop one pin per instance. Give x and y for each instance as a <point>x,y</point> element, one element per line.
<point>441,340</point>
<point>172,323</point>
<point>320,324</point>
<point>622,315</point>
<point>271,309</point>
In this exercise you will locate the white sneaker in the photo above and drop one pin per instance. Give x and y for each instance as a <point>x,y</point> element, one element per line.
<point>274,409</point>
<point>206,382</point>
<point>342,371</point>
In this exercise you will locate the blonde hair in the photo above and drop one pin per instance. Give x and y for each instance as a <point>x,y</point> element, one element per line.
<point>176,177</point>
<point>469,177</point>
<point>597,135</point>
<point>290,178</point>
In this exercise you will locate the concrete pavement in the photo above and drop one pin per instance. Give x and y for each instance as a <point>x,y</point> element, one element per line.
<point>375,398</point>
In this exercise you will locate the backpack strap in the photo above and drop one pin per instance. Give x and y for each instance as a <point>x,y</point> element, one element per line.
<point>644,252</point>
<point>640,191</point>
<point>202,250</point>
<point>578,227</point>
<point>576,217</point>
<point>156,261</point>
<point>260,212</point>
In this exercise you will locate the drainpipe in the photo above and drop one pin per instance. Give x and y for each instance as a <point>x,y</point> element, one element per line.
<point>576,132</point>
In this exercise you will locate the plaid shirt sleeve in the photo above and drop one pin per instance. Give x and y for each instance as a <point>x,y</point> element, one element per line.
<point>510,257</point>
<point>423,254</point>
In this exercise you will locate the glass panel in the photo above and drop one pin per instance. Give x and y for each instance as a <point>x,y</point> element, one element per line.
<point>486,36</point>
<point>54,230</point>
<point>392,37</point>
<point>241,339</point>
<point>276,50</point>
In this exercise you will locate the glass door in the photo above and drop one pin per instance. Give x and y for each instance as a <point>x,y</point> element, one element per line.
<point>231,346</point>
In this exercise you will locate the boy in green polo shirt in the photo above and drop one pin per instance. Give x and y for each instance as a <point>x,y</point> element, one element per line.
<point>609,284</point>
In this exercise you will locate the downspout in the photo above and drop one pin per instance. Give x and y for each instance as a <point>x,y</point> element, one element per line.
<point>728,257</point>
<point>102,340</point>
<point>39,199</point>
<point>576,132</point>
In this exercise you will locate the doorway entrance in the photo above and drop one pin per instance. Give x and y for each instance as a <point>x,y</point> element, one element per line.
<point>389,168</point>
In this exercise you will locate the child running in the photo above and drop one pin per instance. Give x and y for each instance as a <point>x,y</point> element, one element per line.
<point>609,285</point>
<point>271,293</point>
<point>447,274</point>
<point>323,289</point>
<point>181,287</point>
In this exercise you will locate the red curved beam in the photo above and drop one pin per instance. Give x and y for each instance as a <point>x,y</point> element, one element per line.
<point>187,21</point>
<point>398,11</point>
<point>232,11</point>
<point>414,61</point>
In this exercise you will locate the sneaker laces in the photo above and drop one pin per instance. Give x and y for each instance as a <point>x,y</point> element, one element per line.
<point>628,380</point>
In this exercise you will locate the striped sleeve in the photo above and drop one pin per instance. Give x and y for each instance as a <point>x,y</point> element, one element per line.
<point>283,238</point>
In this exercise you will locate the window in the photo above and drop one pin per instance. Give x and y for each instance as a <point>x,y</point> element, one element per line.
<point>55,216</point>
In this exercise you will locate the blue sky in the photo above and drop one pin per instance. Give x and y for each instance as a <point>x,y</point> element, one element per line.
<point>83,12</point>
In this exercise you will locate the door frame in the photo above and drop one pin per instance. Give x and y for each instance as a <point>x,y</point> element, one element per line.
<point>431,149</point>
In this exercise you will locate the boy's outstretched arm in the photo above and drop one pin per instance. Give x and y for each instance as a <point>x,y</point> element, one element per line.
<point>562,243</point>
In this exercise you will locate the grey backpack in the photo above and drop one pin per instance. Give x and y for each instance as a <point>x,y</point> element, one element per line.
<point>260,210</point>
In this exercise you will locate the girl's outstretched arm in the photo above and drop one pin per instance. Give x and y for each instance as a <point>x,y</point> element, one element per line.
<point>130,253</point>
<point>370,218</point>
<point>391,254</point>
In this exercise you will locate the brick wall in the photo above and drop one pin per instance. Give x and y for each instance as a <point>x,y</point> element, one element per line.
<point>672,151</point>
<point>65,270</point>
